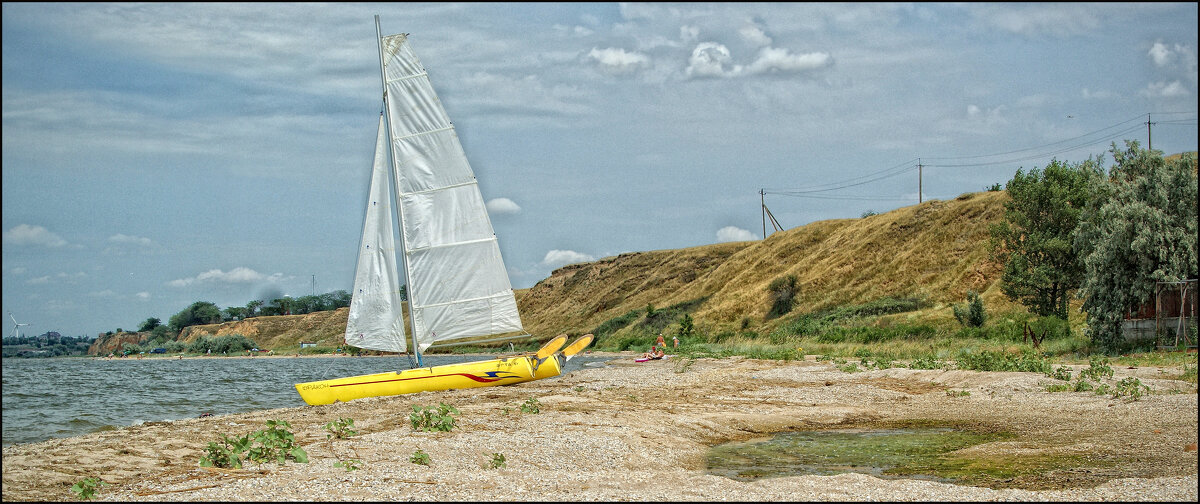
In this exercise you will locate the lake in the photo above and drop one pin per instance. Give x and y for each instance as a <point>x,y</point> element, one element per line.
<point>64,397</point>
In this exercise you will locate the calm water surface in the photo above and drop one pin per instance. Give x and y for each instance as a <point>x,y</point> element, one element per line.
<point>54,398</point>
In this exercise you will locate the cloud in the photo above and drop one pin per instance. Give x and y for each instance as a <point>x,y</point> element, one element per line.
<point>42,280</point>
<point>24,234</point>
<point>754,35</point>
<point>106,293</point>
<point>781,60</point>
<point>1160,53</point>
<point>709,59</point>
<point>122,243</point>
<point>1099,95</point>
<point>734,234</point>
<point>574,31</point>
<point>143,296</point>
<point>239,275</point>
<point>619,61</point>
<point>688,34</point>
<point>503,206</point>
<point>556,258</point>
<point>1165,90</point>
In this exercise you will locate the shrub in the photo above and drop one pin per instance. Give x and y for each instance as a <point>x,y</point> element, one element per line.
<point>972,314</point>
<point>532,406</point>
<point>419,457</point>
<point>342,428</point>
<point>427,419</point>
<point>783,294</point>
<point>497,461</point>
<point>86,488</point>
<point>275,442</point>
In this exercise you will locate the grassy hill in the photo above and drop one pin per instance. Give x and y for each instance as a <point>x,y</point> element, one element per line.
<point>933,252</point>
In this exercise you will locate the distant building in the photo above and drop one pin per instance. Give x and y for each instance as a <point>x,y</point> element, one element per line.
<point>1168,317</point>
<point>306,345</point>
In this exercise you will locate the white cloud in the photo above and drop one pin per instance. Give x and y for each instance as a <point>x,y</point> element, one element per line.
<point>144,296</point>
<point>709,59</point>
<point>1160,54</point>
<point>42,280</point>
<point>122,243</point>
<point>754,35</point>
<point>1165,90</point>
<point>239,275</point>
<point>556,258</point>
<point>106,293</point>
<point>503,206</point>
<point>776,59</point>
<point>688,34</point>
<point>619,61</point>
<point>24,234</point>
<point>1099,95</point>
<point>134,240</point>
<point>733,234</point>
<point>18,271</point>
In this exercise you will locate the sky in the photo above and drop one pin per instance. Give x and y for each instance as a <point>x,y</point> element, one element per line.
<point>155,155</point>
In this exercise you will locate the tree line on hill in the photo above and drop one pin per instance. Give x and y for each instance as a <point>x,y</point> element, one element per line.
<point>50,344</point>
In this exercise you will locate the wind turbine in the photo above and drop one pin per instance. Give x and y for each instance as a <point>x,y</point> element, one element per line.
<point>17,329</point>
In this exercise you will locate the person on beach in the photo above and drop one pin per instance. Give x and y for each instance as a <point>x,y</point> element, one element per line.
<point>675,340</point>
<point>660,343</point>
<point>655,353</point>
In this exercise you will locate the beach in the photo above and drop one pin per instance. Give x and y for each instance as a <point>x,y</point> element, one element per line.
<point>641,432</point>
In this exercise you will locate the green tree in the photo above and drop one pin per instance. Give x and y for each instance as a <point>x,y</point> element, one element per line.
<point>1139,228</point>
<point>252,307</point>
<point>200,312</point>
<point>1034,241</point>
<point>149,324</point>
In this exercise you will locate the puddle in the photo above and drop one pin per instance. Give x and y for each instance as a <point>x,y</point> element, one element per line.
<point>913,453</point>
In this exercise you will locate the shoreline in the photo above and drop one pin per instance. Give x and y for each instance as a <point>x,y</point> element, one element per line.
<point>261,355</point>
<point>640,431</point>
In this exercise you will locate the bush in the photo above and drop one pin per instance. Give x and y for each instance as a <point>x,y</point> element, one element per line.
<point>783,294</point>
<point>427,419</point>
<point>972,314</point>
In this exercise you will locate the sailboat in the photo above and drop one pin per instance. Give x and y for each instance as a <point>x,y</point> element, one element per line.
<point>457,287</point>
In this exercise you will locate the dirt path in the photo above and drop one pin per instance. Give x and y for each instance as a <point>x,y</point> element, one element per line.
<point>631,431</point>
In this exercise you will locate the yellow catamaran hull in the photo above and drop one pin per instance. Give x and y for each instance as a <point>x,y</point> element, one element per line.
<point>485,373</point>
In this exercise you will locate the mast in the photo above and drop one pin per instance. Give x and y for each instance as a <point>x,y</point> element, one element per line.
<point>395,188</point>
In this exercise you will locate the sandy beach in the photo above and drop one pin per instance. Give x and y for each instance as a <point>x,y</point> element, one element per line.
<point>640,432</point>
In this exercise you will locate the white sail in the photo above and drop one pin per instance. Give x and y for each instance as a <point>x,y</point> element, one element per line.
<point>376,321</point>
<point>457,284</point>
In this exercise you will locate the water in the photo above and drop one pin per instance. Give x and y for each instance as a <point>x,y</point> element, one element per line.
<point>915,453</point>
<point>55,398</point>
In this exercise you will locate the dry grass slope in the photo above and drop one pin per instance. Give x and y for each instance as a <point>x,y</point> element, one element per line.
<point>936,250</point>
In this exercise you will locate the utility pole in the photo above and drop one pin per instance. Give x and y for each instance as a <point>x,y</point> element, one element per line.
<point>762,200</point>
<point>1149,140</point>
<point>920,182</point>
<point>314,285</point>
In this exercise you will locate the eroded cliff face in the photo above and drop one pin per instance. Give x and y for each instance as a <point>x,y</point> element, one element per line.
<point>112,343</point>
<point>277,331</point>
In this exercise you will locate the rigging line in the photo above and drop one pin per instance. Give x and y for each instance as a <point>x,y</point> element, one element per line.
<point>1138,118</point>
<point>1043,154</point>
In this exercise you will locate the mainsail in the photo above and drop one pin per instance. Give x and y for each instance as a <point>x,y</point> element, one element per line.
<point>457,285</point>
<point>375,321</point>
